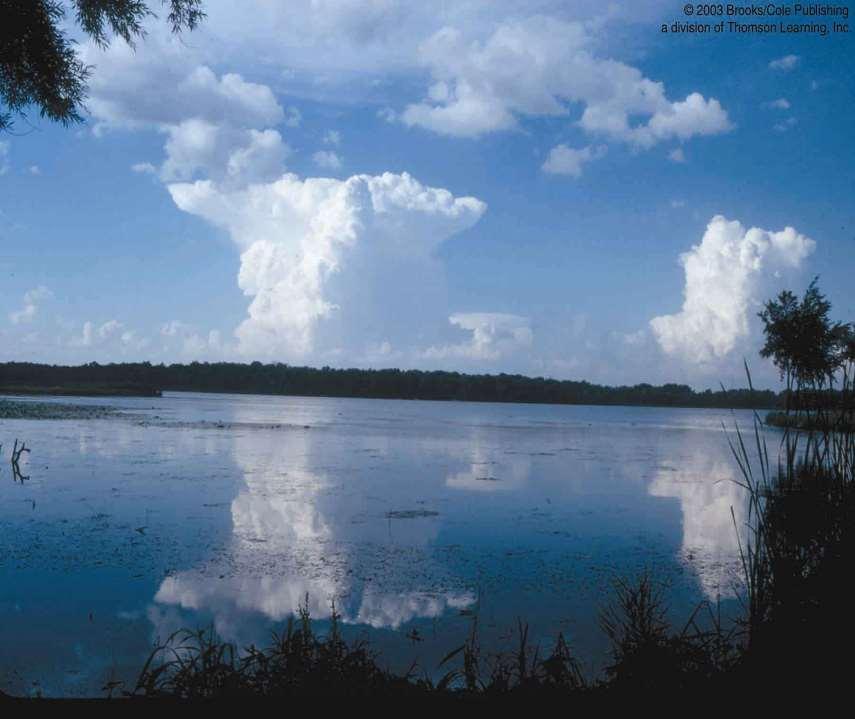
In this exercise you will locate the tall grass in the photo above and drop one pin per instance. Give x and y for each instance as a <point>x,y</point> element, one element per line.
<point>797,558</point>
<point>298,662</point>
<point>199,665</point>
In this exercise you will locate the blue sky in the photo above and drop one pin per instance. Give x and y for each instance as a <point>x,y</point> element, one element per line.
<point>550,188</point>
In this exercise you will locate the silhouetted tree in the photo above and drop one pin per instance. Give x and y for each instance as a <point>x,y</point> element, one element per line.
<point>802,341</point>
<point>38,63</point>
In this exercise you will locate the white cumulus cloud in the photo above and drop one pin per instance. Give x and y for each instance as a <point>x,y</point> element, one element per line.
<point>782,103</point>
<point>327,160</point>
<point>785,125</point>
<point>563,160</point>
<point>724,275</point>
<point>214,123</point>
<point>162,83</point>
<point>143,168</point>
<point>541,66</point>
<point>785,63</point>
<point>198,148</point>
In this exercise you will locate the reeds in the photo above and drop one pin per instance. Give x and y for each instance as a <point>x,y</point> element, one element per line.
<point>198,665</point>
<point>298,662</point>
<point>646,656</point>
<point>798,554</point>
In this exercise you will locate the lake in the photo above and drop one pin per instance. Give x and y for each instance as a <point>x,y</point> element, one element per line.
<point>199,510</point>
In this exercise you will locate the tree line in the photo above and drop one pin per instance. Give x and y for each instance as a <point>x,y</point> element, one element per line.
<point>815,357</point>
<point>284,379</point>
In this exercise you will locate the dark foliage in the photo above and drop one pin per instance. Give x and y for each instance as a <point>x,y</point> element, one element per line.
<point>648,656</point>
<point>805,345</point>
<point>281,379</point>
<point>198,665</point>
<point>38,63</point>
<point>798,557</point>
<point>298,662</point>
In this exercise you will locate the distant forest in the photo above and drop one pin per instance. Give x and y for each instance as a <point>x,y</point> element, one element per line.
<point>281,379</point>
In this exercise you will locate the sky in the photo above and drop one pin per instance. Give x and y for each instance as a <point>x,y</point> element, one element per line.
<point>550,188</point>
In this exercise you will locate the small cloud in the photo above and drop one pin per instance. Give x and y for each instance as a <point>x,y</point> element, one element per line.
<point>293,117</point>
<point>332,137</point>
<point>144,168</point>
<point>85,338</point>
<point>174,328</point>
<point>190,341</point>
<point>563,160</point>
<point>677,155</point>
<point>635,339</point>
<point>678,203</point>
<point>387,114</point>
<point>327,160</point>
<point>786,63</point>
<point>493,335</point>
<point>111,334</point>
<point>108,329</point>
<point>4,157</point>
<point>32,299</point>
<point>34,170</point>
<point>782,103</point>
<point>131,340</point>
<point>785,125</point>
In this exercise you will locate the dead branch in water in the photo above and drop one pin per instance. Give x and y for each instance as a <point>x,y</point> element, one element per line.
<point>17,475</point>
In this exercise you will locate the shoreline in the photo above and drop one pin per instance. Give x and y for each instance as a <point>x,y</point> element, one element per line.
<point>79,391</point>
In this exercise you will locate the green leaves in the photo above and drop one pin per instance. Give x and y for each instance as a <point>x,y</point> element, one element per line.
<point>801,339</point>
<point>39,65</point>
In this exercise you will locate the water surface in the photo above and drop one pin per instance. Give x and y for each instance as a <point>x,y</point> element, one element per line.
<point>229,511</point>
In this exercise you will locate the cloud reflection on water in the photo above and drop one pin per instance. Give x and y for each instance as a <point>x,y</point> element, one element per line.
<point>293,542</point>
<point>302,530</point>
<point>488,472</point>
<point>707,491</point>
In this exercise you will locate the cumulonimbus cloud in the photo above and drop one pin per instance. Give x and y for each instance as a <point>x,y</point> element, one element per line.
<point>316,248</point>
<point>724,275</point>
<point>329,264</point>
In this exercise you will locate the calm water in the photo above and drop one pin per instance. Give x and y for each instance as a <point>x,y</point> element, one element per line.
<point>229,510</point>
